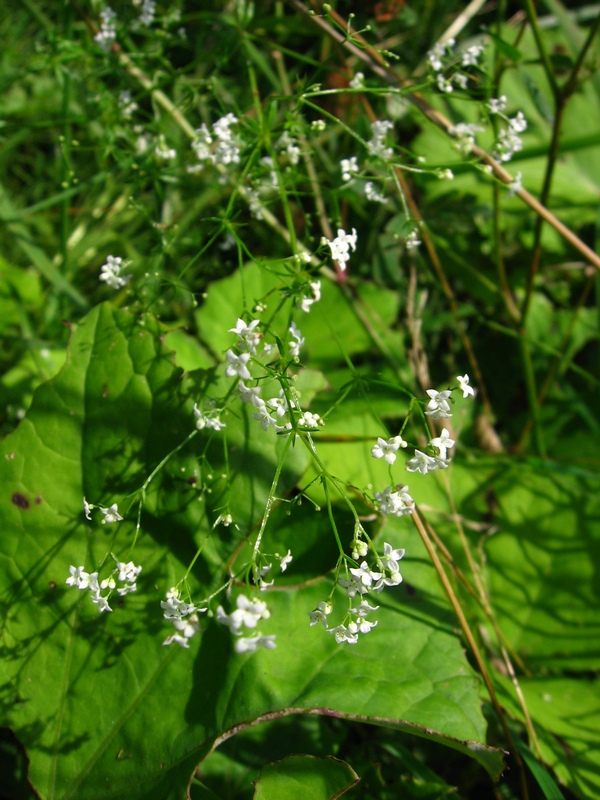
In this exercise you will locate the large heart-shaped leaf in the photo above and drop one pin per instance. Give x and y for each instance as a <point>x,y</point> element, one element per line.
<point>102,708</point>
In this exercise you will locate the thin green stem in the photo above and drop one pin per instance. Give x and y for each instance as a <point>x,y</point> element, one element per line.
<point>544,57</point>
<point>271,499</point>
<point>530,387</point>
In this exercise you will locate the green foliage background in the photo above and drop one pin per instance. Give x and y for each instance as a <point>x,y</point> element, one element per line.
<point>98,387</point>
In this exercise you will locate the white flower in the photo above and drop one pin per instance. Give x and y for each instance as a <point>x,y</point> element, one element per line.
<point>111,514</point>
<point>471,55</point>
<point>87,509</point>
<point>444,85</point>
<point>365,574</point>
<point>391,557</point>
<point>249,338</point>
<point>248,613</point>
<point>204,421</point>
<point>359,548</point>
<point>464,385</point>
<point>465,135</point>
<point>101,602</point>
<point>393,579</point>
<point>175,608</point>
<point>248,644</point>
<point>107,33</point>
<point>249,395</point>
<point>295,346</point>
<point>263,416</point>
<point>128,572</point>
<point>348,166</point>
<point>460,80</point>
<point>353,586</point>
<point>387,449</point>
<point>422,463</point>
<point>357,81</point>
<point>237,365</point>
<point>372,194</point>
<point>345,634</point>
<point>180,640</point>
<point>340,246</point>
<point>309,420</point>
<point>412,241</point>
<point>442,443</point>
<point>395,504</point>
<point>518,124</point>
<point>79,578</point>
<point>376,146</point>
<point>163,151</point>
<point>313,297</point>
<point>364,625</point>
<point>509,143</point>
<point>434,56</point>
<point>280,404</point>
<point>515,186</point>
<point>497,104</point>
<point>320,613</point>
<point>187,628</point>
<point>129,587</point>
<point>110,273</point>
<point>438,405</point>
<point>147,13</point>
<point>285,560</point>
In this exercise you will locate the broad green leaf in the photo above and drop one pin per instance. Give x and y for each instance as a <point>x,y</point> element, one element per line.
<point>566,717</point>
<point>189,353</point>
<point>305,778</point>
<point>539,772</point>
<point>513,53</point>
<point>331,329</point>
<point>20,290</point>
<point>102,708</point>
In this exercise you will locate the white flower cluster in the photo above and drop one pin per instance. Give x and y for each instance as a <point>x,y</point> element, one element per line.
<point>372,194</point>
<point>110,273</point>
<point>107,33</point>
<point>289,145</point>
<point>184,617</point>
<point>443,52</point>
<point>363,581</point>
<point>358,81</point>
<point>147,13</point>
<point>497,104</point>
<point>218,146</point>
<point>340,246</point>
<point>126,104</point>
<point>162,150</point>
<point>388,449</point>
<point>269,413</point>
<point>110,514</point>
<point>509,142</point>
<point>412,241</point>
<point>395,503</point>
<point>398,503</point>
<point>126,573</point>
<point>437,53</point>
<point>376,146</point>
<point>464,132</point>
<point>248,614</point>
<point>348,166</point>
<point>312,296</point>
<point>209,419</point>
